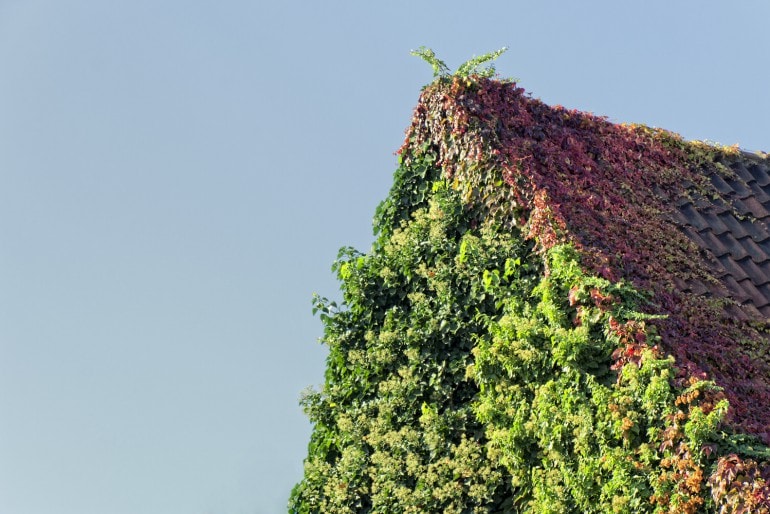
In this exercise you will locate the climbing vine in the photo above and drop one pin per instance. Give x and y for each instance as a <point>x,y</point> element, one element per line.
<point>471,67</point>
<point>583,409</point>
<point>514,341</point>
<point>394,425</point>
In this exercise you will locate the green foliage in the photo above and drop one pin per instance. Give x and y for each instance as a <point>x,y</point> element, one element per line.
<point>468,68</point>
<point>576,437</point>
<point>440,69</point>
<point>476,366</point>
<point>472,66</point>
<point>394,430</point>
<point>411,189</point>
<point>461,378</point>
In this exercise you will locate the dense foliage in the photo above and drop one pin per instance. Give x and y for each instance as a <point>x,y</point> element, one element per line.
<point>512,341</point>
<point>394,425</point>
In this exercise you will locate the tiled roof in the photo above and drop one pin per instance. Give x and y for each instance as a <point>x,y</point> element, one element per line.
<point>732,227</point>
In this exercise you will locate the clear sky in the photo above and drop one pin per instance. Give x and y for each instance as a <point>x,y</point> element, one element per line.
<point>177,176</point>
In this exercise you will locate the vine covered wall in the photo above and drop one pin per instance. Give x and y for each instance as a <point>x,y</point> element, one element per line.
<point>514,340</point>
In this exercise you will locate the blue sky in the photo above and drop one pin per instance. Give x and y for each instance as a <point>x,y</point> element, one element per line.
<point>175,181</point>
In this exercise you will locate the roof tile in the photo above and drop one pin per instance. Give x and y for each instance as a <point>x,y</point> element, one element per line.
<point>740,188</point>
<point>760,174</point>
<point>742,172</point>
<point>714,222</point>
<point>751,206</point>
<point>765,267</point>
<point>733,268</point>
<point>692,217</point>
<point>735,288</point>
<point>760,194</point>
<point>752,310</point>
<point>714,243</point>
<point>734,246</point>
<point>753,249</point>
<point>736,312</point>
<point>765,290</point>
<point>722,186</point>
<point>754,272</point>
<point>765,311</point>
<point>756,297</point>
<point>742,228</point>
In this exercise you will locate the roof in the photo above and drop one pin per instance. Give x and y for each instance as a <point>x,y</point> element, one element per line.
<point>732,228</point>
<point>686,221</point>
<point>550,300</point>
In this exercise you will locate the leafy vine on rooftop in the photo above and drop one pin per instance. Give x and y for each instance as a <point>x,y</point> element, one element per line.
<point>514,342</point>
<point>471,67</point>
